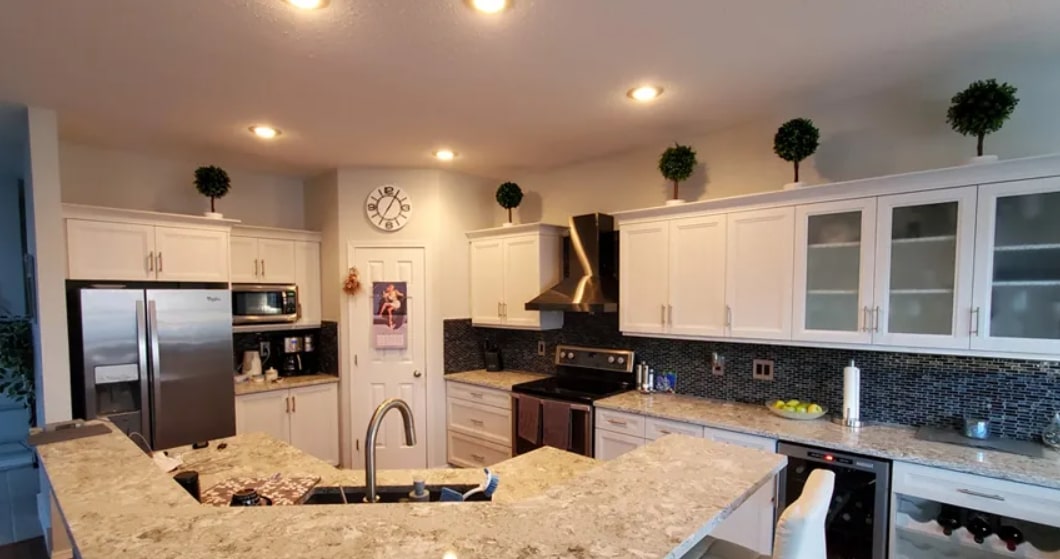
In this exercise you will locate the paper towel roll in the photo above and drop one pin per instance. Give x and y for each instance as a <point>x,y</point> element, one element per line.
<point>851,392</point>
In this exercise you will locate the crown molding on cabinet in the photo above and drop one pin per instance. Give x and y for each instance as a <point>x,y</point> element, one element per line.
<point>275,233</point>
<point>100,213</point>
<point>520,229</point>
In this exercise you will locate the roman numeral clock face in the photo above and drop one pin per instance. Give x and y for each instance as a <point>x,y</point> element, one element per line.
<point>388,208</point>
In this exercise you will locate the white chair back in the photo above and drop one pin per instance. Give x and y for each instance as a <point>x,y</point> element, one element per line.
<point>800,530</point>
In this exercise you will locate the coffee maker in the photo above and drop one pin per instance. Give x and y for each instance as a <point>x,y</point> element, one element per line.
<point>292,356</point>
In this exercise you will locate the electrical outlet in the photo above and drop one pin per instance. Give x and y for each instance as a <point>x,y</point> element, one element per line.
<point>541,347</point>
<point>762,369</point>
<point>717,364</point>
<point>264,349</point>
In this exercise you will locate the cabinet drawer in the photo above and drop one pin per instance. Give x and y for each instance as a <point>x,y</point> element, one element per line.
<point>740,439</point>
<point>619,422</point>
<point>488,396</point>
<point>995,496</point>
<point>470,452</point>
<point>655,428</point>
<point>609,445</point>
<point>481,421</point>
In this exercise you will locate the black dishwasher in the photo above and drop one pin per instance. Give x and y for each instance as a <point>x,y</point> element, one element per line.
<point>856,525</point>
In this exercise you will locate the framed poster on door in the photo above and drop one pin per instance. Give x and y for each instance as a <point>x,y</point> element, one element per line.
<point>390,317</point>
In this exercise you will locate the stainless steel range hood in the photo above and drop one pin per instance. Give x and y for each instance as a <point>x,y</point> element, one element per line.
<point>590,282</point>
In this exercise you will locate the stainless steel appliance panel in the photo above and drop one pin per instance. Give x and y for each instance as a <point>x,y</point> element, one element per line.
<point>190,340</point>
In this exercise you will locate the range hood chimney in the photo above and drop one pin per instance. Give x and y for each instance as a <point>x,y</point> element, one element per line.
<point>590,278</point>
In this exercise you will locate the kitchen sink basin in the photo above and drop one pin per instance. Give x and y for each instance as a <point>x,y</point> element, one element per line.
<point>386,493</point>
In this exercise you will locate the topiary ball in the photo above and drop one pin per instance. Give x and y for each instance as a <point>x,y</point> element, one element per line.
<point>509,195</point>
<point>212,182</point>
<point>796,140</point>
<point>982,108</point>
<point>677,163</point>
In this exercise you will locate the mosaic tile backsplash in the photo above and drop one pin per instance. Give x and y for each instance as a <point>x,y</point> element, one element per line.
<point>1019,396</point>
<point>326,354</point>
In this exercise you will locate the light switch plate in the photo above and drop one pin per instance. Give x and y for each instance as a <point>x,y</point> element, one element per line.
<point>717,364</point>
<point>762,369</point>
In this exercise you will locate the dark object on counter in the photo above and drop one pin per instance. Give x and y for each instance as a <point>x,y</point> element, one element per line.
<point>249,498</point>
<point>949,518</point>
<point>200,445</point>
<point>491,354</point>
<point>979,525</point>
<point>1011,535</point>
<point>190,482</point>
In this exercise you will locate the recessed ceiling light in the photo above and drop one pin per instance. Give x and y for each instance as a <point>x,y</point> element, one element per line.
<point>445,155</point>
<point>265,132</point>
<point>644,93</point>
<point>308,4</point>
<point>489,6</point>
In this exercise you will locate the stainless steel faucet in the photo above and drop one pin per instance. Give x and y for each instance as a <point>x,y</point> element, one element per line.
<point>373,431</point>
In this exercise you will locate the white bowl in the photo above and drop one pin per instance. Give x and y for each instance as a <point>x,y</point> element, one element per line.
<point>795,415</point>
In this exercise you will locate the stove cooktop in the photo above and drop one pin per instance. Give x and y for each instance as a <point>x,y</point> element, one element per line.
<point>574,389</point>
<point>584,375</point>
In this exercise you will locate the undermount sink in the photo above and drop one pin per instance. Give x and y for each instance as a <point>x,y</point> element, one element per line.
<point>386,493</point>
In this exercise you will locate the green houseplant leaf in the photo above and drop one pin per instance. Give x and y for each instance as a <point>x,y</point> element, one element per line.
<point>509,196</point>
<point>981,109</point>
<point>212,182</point>
<point>796,140</point>
<point>677,163</point>
<point>16,361</point>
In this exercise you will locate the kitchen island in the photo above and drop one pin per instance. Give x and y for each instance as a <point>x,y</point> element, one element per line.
<point>658,501</point>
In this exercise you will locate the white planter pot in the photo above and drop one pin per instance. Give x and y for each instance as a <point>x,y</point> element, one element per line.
<point>674,202</point>
<point>214,215</point>
<point>507,224</point>
<point>794,185</point>
<point>982,159</point>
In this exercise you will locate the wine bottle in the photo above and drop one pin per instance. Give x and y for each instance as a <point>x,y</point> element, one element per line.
<point>979,525</point>
<point>1011,535</point>
<point>949,519</point>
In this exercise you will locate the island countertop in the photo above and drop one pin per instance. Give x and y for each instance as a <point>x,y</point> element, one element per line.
<point>657,501</point>
<point>501,380</point>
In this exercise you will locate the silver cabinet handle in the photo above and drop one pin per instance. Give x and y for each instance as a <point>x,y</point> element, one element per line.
<point>151,261</point>
<point>262,267</point>
<point>475,395</point>
<point>876,319</point>
<point>665,431</point>
<point>256,273</point>
<point>670,311</point>
<point>975,322</point>
<point>478,458</point>
<point>728,316</point>
<point>617,422</point>
<point>983,495</point>
<point>287,401</point>
<point>159,261</point>
<point>662,314</point>
<point>477,422</point>
<point>417,373</point>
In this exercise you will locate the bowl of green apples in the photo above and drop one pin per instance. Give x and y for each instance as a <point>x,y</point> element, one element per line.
<point>796,409</point>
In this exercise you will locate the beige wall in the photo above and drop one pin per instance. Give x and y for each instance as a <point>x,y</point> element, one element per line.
<point>126,179</point>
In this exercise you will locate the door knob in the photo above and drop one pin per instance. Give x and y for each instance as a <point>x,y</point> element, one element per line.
<point>417,374</point>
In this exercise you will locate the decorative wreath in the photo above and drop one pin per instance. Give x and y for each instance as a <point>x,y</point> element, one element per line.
<point>353,283</point>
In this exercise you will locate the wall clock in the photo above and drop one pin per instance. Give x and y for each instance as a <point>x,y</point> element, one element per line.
<point>388,208</point>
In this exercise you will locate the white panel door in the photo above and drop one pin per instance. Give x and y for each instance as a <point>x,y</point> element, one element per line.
<point>522,280</point>
<point>191,254</point>
<point>924,251</point>
<point>264,412</point>
<point>246,268</point>
<point>612,445</point>
<point>487,281</point>
<point>100,250</point>
<point>277,260</point>
<point>1017,268</point>
<point>315,421</point>
<point>380,374</point>
<point>307,278</point>
<point>697,279</point>
<point>759,268</point>
<point>644,277</point>
<point>835,258</point>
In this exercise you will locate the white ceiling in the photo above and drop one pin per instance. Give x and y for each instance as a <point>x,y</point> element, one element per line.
<point>384,82</point>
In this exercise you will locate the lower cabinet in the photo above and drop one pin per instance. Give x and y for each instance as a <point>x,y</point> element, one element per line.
<point>478,425</point>
<point>305,417</point>
<point>752,524</point>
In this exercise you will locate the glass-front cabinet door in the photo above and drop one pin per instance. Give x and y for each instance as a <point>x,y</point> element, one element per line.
<point>924,252</point>
<point>1017,271</point>
<point>835,247</point>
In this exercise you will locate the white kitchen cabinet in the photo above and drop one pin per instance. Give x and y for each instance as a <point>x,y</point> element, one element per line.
<point>609,445</point>
<point>469,452</point>
<point>305,417</point>
<point>1016,293</point>
<point>510,266</point>
<point>185,254</point>
<point>758,273</point>
<point>307,278</point>
<point>263,260</point>
<point>244,255</point>
<point>104,250</point>
<point>835,244</point>
<point>644,277</point>
<point>478,425</point>
<point>923,285</point>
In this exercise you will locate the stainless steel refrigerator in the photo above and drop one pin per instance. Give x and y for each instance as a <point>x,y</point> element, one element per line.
<point>157,362</point>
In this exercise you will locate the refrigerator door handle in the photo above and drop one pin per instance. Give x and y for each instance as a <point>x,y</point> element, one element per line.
<point>156,367</point>
<point>145,375</point>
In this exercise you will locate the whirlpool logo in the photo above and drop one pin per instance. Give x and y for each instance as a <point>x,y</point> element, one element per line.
<point>213,299</point>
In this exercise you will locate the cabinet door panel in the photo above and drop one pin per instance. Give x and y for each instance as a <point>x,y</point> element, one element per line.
<point>487,281</point>
<point>751,525</point>
<point>835,247</point>
<point>191,254</point>
<point>522,280</point>
<point>101,250</point>
<point>924,255</point>
<point>277,260</point>
<point>697,282</point>
<point>644,277</point>
<point>307,278</point>
<point>315,421</point>
<point>1017,268</point>
<point>246,268</point>
<point>264,412</point>
<point>759,271</point>
<point>612,445</point>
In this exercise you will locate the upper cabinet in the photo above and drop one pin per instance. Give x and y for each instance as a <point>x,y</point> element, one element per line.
<point>509,266</point>
<point>262,260</point>
<point>758,273</point>
<point>186,254</point>
<point>105,250</point>
<point>280,256</point>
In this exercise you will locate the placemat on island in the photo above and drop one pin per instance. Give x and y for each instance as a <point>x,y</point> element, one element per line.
<point>282,490</point>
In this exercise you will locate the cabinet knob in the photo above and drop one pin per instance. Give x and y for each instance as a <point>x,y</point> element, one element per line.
<point>417,373</point>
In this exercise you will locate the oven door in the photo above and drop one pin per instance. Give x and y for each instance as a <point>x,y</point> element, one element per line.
<point>264,304</point>
<point>538,422</point>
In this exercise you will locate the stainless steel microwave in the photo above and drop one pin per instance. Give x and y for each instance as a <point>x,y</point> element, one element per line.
<point>254,303</point>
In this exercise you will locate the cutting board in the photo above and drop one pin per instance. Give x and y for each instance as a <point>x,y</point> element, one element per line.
<point>282,490</point>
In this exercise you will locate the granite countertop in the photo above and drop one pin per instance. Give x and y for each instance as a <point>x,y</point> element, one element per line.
<point>284,383</point>
<point>502,380</point>
<point>119,505</point>
<point>886,441</point>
